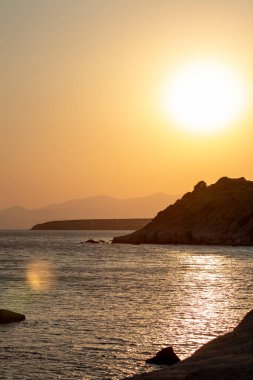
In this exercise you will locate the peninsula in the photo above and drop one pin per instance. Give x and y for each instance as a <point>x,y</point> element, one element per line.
<point>93,224</point>
<point>219,214</point>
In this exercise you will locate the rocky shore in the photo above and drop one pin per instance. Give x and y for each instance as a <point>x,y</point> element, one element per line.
<point>228,357</point>
<point>219,214</point>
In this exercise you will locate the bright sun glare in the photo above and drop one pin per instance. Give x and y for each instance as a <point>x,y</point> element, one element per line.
<point>204,96</point>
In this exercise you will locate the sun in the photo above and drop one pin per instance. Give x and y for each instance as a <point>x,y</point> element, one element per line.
<point>204,96</point>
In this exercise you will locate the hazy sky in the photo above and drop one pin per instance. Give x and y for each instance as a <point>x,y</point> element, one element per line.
<point>81,88</point>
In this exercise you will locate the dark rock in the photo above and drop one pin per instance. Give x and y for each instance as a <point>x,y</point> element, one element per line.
<point>219,214</point>
<point>8,316</point>
<point>166,356</point>
<point>92,241</point>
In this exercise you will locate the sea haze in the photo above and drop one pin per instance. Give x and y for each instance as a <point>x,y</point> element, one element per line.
<point>97,311</point>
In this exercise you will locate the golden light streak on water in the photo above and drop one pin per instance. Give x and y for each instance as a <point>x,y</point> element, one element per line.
<point>39,275</point>
<point>204,277</point>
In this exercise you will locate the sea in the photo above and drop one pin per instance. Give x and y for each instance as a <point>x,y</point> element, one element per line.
<point>98,311</point>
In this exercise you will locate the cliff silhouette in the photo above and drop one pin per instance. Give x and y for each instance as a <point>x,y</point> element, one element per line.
<point>219,214</point>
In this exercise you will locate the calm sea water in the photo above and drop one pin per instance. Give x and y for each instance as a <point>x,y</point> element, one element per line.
<point>98,311</point>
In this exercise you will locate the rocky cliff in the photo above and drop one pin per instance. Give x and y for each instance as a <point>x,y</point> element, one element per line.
<point>219,214</point>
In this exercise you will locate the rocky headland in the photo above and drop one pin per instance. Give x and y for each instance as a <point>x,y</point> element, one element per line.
<point>228,357</point>
<point>219,214</point>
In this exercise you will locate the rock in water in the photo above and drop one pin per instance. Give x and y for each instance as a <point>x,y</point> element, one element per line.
<point>92,241</point>
<point>219,214</point>
<point>165,356</point>
<point>8,316</point>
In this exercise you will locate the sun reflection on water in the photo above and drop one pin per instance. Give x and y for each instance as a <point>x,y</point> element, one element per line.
<point>39,275</point>
<point>202,290</point>
<point>206,274</point>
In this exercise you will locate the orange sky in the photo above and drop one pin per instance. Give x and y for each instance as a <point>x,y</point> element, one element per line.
<point>81,85</point>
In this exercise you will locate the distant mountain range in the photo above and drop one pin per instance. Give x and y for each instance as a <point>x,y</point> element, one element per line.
<point>98,207</point>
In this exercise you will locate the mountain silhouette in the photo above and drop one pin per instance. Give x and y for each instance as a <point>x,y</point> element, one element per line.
<point>97,207</point>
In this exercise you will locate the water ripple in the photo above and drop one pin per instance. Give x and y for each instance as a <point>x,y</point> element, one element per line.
<point>97,312</point>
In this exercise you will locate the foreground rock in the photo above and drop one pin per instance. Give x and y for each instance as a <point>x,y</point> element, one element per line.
<point>166,356</point>
<point>8,316</point>
<point>229,357</point>
<point>219,214</point>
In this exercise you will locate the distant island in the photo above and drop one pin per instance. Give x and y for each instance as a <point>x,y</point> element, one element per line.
<point>94,224</point>
<point>219,214</point>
